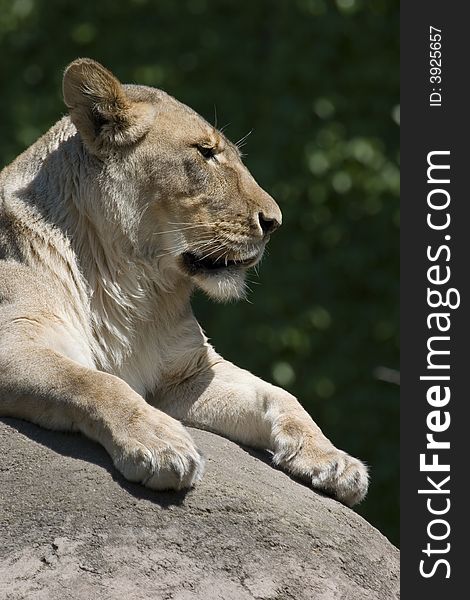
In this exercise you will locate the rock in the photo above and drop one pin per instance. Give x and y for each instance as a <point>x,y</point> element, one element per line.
<point>72,528</point>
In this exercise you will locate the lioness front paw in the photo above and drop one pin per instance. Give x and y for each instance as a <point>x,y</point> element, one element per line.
<point>311,457</point>
<point>158,452</point>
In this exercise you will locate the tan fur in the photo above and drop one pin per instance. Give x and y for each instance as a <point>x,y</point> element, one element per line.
<point>106,225</point>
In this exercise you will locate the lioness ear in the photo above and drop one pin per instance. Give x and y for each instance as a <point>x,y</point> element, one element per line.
<point>99,107</point>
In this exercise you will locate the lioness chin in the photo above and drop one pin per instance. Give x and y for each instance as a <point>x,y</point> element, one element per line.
<point>107,223</point>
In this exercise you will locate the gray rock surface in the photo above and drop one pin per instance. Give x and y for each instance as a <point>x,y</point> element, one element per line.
<point>72,528</point>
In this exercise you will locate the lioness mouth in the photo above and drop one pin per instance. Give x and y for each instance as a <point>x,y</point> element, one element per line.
<point>196,264</point>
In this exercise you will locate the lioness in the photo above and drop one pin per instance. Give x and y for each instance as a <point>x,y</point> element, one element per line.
<point>107,223</point>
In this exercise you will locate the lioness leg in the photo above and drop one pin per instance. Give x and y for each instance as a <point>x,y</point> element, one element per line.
<point>235,403</point>
<point>44,387</point>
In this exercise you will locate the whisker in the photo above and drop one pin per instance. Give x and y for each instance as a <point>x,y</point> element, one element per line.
<point>176,230</point>
<point>224,127</point>
<point>239,144</point>
<point>192,223</point>
<point>170,253</point>
<point>199,244</point>
<point>214,251</point>
<point>202,246</point>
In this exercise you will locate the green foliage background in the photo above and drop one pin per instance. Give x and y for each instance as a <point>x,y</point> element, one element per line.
<point>317,81</point>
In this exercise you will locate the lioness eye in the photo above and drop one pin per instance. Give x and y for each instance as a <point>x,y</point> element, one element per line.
<point>206,151</point>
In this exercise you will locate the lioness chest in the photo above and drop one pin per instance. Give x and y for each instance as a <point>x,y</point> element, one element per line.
<point>147,339</point>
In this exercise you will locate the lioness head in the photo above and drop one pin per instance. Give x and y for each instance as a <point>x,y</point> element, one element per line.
<point>189,200</point>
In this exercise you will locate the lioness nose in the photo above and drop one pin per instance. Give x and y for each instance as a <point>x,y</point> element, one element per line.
<point>267,223</point>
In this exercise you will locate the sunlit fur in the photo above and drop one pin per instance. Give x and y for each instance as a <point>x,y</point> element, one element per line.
<point>105,224</point>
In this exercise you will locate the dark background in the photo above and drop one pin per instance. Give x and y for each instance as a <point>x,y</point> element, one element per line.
<point>317,81</point>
